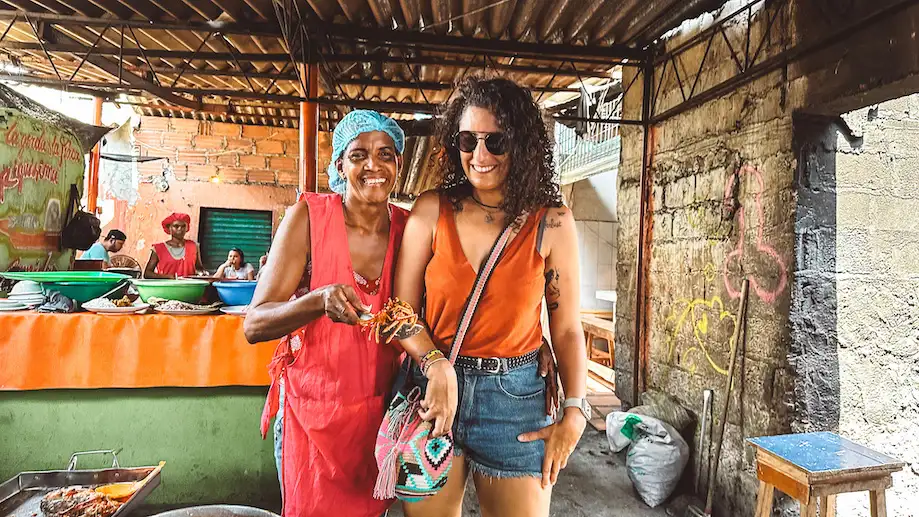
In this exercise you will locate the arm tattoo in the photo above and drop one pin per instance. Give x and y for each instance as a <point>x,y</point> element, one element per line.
<point>553,223</point>
<point>552,291</point>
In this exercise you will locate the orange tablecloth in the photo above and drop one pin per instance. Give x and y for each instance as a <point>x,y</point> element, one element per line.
<point>44,351</point>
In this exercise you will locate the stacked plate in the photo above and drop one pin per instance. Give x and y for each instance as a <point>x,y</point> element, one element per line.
<point>27,293</point>
<point>7,305</point>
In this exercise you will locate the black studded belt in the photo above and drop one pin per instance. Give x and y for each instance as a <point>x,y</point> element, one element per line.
<point>496,365</point>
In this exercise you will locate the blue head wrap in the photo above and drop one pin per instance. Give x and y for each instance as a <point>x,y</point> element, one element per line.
<point>350,127</point>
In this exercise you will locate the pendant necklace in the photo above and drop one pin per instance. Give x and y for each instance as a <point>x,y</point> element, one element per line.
<point>489,216</point>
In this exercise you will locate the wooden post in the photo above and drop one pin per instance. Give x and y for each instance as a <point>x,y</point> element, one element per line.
<point>92,190</point>
<point>309,132</point>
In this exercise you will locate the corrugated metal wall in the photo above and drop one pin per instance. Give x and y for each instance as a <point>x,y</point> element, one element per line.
<point>222,229</point>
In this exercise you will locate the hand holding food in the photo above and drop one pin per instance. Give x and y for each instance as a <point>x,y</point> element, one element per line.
<point>397,320</point>
<point>342,304</point>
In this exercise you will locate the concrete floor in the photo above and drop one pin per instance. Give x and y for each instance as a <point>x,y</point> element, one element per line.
<point>595,484</point>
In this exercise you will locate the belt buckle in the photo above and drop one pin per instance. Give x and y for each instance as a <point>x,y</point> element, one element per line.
<point>495,370</point>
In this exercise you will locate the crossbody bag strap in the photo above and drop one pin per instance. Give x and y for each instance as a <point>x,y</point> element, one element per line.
<point>478,288</point>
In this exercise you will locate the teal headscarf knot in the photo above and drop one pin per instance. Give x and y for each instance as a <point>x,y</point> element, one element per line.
<point>350,127</point>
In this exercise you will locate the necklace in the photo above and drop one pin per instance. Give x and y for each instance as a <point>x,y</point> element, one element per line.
<point>481,204</point>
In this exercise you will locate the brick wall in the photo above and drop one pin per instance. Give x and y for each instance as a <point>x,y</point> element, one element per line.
<point>234,153</point>
<point>256,165</point>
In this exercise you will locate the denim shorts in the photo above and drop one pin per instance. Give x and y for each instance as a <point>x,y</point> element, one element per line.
<point>493,410</point>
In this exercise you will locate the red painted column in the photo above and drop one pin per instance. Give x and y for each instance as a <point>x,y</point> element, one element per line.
<point>92,190</point>
<point>309,132</point>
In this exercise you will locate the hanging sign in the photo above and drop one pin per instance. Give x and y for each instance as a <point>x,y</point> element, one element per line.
<point>38,163</point>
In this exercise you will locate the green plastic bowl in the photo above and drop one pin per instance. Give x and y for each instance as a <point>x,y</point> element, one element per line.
<point>77,291</point>
<point>189,291</point>
<point>100,277</point>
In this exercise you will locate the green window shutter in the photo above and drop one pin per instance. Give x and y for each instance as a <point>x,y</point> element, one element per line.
<point>222,229</point>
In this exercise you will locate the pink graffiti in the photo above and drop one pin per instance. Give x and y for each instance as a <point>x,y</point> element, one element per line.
<point>732,284</point>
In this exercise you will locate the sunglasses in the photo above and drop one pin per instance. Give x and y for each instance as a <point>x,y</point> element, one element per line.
<point>467,141</point>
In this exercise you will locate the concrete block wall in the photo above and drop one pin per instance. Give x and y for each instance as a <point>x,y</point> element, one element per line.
<point>853,316</point>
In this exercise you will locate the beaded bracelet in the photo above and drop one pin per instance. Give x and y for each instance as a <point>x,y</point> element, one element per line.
<point>427,366</point>
<point>431,354</point>
<point>429,359</point>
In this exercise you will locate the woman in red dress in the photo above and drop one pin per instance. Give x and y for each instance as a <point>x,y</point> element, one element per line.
<point>335,378</point>
<point>177,256</point>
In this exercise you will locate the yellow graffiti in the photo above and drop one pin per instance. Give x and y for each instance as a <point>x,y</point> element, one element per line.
<point>695,312</point>
<point>695,217</point>
<point>709,272</point>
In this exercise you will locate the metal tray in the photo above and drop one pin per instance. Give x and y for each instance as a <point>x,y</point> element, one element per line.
<point>21,495</point>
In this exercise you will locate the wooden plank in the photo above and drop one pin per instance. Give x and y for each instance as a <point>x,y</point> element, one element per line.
<point>845,487</point>
<point>764,500</point>
<point>828,506</point>
<point>785,483</point>
<point>878,500</point>
<point>776,463</point>
<point>810,510</point>
<point>601,374</point>
<point>826,455</point>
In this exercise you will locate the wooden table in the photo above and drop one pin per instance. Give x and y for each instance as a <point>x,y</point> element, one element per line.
<point>814,467</point>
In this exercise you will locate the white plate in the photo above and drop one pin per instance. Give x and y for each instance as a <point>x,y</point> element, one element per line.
<point>235,310</point>
<point>119,310</point>
<point>27,299</point>
<point>11,308</point>
<point>197,312</point>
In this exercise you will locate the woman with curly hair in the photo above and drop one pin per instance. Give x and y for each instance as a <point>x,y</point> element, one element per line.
<point>496,171</point>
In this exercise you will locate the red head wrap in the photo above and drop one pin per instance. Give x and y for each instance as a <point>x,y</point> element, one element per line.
<point>175,216</point>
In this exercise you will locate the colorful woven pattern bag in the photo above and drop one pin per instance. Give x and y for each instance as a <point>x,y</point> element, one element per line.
<point>413,464</point>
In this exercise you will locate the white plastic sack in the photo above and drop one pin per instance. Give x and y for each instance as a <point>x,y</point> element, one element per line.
<point>657,454</point>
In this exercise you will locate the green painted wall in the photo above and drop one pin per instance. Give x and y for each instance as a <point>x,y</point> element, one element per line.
<point>209,438</point>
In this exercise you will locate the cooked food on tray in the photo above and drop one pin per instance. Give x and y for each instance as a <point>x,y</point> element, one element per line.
<point>105,303</point>
<point>175,305</point>
<point>78,501</point>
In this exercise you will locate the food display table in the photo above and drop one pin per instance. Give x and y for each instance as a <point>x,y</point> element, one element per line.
<point>84,350</point>
<point>185,389</point>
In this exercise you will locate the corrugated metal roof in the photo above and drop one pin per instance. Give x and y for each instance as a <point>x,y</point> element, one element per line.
<point>367,76</point>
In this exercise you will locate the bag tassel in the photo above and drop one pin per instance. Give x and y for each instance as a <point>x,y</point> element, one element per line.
<point>385,487</point>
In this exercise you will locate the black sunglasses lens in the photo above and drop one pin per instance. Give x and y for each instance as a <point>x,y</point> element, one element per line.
<point>466,141</point>
<point>496,143</point>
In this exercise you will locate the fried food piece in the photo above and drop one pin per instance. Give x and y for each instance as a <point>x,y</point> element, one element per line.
<point>397,319</point>
<point>78,501</point>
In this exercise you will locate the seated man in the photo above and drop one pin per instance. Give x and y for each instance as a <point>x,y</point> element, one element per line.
<point>112,243</point>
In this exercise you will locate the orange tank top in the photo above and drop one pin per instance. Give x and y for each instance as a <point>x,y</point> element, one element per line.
<point>506,323</point>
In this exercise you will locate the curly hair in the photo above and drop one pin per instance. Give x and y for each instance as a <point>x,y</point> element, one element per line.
<point>531,180</point>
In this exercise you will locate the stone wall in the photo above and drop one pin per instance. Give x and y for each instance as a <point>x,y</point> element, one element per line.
<point>725,184</point>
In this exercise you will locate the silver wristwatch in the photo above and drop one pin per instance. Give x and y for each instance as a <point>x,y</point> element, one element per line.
<point>581,404</point>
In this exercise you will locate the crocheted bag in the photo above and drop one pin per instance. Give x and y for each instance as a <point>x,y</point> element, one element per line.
<point>413,464</point>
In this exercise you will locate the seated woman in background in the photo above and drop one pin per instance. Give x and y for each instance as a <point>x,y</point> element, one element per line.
<point>177,256</point>
<point>236,267</point>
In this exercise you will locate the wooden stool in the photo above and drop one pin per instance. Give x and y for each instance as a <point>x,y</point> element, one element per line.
<point>599,328</point>
<point>814,467</point>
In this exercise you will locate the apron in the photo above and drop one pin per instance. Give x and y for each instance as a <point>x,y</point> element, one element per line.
<point>168,265</point>
<point>336,381</point>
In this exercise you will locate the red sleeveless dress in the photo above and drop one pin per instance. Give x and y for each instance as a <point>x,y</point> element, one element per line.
<point>336,382</point>
<point>167,265</point>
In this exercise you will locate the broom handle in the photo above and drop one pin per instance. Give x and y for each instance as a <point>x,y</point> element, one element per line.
<point>742,324</point>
